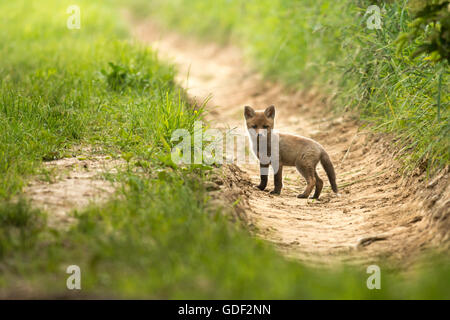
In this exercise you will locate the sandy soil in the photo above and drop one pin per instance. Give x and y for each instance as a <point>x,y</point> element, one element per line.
<point>72,183</point>
<point>380,213</point>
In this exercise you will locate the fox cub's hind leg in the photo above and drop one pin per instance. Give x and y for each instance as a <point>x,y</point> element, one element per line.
<point>319,186</point>
<point>264,172</point>
<point>308,172</point>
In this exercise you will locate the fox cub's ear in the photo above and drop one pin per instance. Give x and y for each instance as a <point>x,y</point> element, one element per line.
<point>249,112</point>
<point>270,112</point>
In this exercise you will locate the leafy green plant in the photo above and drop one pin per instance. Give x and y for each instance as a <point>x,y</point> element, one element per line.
<point>117,78</point>
<point>433,22</point>
<point>137,76</point>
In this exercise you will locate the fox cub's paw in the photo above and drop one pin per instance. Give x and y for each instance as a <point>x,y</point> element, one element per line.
<point>260,187</point>
<point>276,192</point>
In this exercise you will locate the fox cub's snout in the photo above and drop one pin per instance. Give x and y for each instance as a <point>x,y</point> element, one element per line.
<point>290,150</point>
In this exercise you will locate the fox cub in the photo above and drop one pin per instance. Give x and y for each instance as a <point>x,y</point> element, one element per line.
<point>282,149</point>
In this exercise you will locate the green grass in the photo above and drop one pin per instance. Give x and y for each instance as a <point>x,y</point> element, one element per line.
<point>326,44</point>
<point>157,237</point>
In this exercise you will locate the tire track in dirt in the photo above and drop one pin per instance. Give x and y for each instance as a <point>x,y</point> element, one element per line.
<point>380,214</point>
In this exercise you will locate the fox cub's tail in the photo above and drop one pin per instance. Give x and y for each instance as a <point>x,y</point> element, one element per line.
<point>329,169</point>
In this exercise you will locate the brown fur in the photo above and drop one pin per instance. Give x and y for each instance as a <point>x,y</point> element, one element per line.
<point>301,152</point>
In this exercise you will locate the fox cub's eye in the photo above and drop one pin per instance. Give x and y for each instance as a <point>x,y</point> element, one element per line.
<point>266,127</point>
<point>254,126</point>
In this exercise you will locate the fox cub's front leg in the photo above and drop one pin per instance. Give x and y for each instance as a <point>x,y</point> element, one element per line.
<point>264,171</point>
<point>278,181</point>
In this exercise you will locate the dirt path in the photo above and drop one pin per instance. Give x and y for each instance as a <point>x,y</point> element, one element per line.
<point>72,183</point>
<point>379,213</point>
